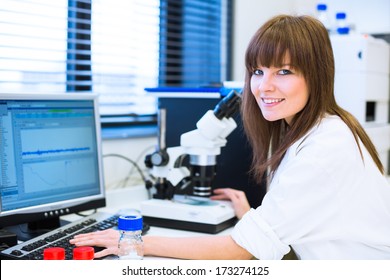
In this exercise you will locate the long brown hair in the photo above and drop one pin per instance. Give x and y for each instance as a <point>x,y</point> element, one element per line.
<point>307,43</point>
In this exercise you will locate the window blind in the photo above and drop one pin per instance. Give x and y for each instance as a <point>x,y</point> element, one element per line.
<point>33,46</point>
<point>194,42</point>
<point>114,48</point>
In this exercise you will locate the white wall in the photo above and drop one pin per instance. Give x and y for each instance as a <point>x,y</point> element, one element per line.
<point>369,16</point>
<point>249,15</point>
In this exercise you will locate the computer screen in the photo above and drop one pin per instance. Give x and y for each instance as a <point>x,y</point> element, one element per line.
<point>50,159</point>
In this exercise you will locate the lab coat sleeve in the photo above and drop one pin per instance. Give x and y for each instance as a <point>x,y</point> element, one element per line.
<point>291,212</point>
<point>257,237</point>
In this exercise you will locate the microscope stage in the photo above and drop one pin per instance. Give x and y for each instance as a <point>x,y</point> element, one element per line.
<point>189,214</point>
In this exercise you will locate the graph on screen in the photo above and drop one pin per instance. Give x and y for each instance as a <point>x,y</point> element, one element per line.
<point>41,144</point>
<point>63,151</point>
<point>63,174</point>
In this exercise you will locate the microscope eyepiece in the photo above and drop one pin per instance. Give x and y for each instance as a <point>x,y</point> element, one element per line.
<point>228,106</point>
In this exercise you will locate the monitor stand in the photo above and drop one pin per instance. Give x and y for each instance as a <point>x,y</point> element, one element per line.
<point>31,230</point>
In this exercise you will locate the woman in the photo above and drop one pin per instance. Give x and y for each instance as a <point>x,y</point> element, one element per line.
<point>328,197</point>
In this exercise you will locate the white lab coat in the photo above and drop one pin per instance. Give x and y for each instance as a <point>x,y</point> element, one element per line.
<point>323,201</point>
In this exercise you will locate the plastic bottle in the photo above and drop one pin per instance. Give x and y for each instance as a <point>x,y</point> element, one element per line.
<point>83,253</point>
<point>342,27</point>
<point>322,15</point>
<point>131,245</point>
<point>54,253</point>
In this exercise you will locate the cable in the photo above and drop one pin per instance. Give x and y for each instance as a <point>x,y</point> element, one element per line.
<point>142,154</point>
<point>131,161</point>
<point>86,215</point>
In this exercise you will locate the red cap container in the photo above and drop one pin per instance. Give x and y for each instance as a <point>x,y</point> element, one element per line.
<point>54,253</point>
<point>83,253</point>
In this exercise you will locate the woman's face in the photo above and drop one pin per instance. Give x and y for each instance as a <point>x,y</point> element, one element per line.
<point>280,92</point>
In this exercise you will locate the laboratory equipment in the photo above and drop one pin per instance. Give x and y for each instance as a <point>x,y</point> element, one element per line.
<point>342,27</point>
<point>322,15</point>
<point>184,107</point>
<point>195,211</point>
<point>54,253</point>
<point>130,244</point>
<point>362,70</point>
<point>83,253</point>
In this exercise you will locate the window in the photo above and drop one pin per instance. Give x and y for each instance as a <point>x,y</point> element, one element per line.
<point>194,42</point>
<point>33,46</point>
<point>114,48</point>
<point>125,48</point>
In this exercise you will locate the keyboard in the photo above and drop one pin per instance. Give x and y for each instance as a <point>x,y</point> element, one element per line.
<point>33,248</point>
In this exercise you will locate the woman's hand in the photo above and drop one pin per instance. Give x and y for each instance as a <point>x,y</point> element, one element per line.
<point>238,198</point>
<point>106,238</point>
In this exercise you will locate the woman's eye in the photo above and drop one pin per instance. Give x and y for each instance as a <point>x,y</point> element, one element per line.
<point>257,72</point>
<point>285,72</point>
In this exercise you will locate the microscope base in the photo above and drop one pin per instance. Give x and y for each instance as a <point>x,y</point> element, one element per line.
<point>200,216</point>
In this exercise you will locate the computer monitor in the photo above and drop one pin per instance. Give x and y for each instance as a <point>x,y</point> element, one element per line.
<point>50,160</point>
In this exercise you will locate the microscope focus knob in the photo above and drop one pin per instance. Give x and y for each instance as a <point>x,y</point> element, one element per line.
<point>148,161</point>
<point>159,158</point>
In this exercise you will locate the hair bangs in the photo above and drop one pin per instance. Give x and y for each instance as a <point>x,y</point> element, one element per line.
<point>272,44</point>
<point>267,52</point>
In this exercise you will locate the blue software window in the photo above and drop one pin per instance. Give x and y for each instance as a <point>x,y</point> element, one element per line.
<point>48,151</point>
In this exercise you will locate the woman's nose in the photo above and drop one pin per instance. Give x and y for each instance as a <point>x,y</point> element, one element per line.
<point>266,83</point>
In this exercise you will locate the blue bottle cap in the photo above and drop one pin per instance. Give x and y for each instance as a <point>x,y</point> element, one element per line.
<point>341,16</point>
<point>130,223</point>
<point>343,30</point>
<point>321,7</point>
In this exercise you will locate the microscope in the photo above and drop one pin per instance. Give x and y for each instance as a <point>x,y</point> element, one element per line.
<point>191,165</point>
